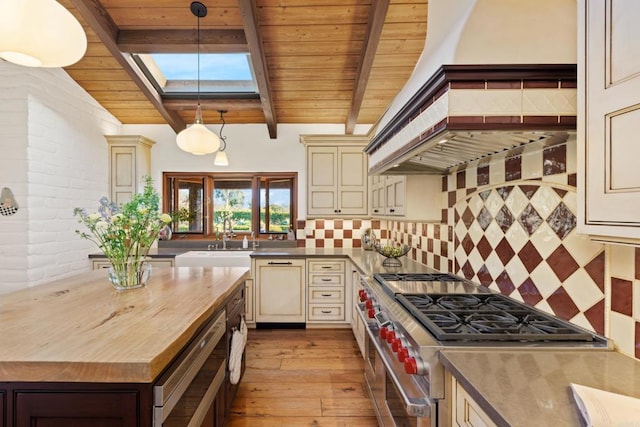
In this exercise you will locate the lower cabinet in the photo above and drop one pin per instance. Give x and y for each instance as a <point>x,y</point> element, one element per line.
<point>326,290</point>
<point>280,290</point>
<point>466,412</point>
<point>357,325</point>
<point>44,409</point>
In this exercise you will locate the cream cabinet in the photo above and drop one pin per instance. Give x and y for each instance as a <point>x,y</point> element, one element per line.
<point>98,263</point>
<point>129,162</point>
<point>466,412</point>
<point>410,197</point>
<point>608,119</point>
<point>336,176</point>
<point>377,196</point>
<point>280,290</point>
<point>357,325</point>
<point>326,286</point>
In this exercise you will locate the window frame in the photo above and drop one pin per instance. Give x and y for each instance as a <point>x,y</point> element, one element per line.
<point>209,179</point>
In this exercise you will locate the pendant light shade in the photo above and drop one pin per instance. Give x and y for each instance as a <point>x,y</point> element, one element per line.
<point>221,159</point>
<point>197,139</point>
<point>40,33</point>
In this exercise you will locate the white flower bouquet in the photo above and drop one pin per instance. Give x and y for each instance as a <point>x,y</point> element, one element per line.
<point>125,234</point>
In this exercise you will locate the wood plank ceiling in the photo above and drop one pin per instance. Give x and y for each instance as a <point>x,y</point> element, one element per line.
<point>316,61</point>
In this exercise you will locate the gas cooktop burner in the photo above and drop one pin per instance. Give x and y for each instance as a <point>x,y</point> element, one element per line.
<point>418,277</point>
<point>487,317</point>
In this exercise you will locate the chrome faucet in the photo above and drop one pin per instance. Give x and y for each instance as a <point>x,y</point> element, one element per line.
<point>224,241</point>
<point>253,238</point>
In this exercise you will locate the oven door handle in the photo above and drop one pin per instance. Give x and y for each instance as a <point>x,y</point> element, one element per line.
<point>415,406</point>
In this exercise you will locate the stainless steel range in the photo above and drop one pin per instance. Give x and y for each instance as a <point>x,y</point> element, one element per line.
<point>410,317</point>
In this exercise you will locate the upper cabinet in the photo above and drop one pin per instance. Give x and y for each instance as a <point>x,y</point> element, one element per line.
<point>129,162</point>
<point>410,197</point>
<point>609,119</point>
<point>336,175</point>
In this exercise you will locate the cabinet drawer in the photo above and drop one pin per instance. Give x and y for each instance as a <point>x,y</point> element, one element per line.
<point>326,279</point>
<point>326,266</point>
<point>326,312</point>
<point>326,295</point>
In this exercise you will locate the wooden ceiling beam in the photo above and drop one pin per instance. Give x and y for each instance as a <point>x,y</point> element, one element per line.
<point>182,41</point>
<point>104,27</point>
<point>250,24</point>
<point>213,104</point>
<point>372,37</point>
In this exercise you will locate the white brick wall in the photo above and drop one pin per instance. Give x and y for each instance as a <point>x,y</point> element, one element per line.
<point>52,141</point>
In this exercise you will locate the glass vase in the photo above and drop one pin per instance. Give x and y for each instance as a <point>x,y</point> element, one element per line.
<point>130,274</point>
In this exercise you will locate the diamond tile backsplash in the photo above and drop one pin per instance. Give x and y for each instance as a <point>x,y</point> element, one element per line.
<point>511,225</point>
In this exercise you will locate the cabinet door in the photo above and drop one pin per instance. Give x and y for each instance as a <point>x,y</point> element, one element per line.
<point>609,70</point>
<point>322,163</point>
<point>352,181</point>
<point>466,412</point>
<point>280,290</point>
<point>376,194</point>
<point>48,409</point>
<point>395,195</point>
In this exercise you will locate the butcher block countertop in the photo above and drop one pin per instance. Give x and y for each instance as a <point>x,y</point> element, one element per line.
<point>531,387</point>
<point>80,329</point>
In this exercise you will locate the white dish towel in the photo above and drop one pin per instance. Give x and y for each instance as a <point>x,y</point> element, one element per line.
<point>238,343</point>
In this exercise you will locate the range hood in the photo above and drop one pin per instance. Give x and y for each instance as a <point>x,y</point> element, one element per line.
<point>510,80</point>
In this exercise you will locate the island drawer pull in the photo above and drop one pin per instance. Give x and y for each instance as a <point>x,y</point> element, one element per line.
<point>280,263</point>
<point>326,295</point>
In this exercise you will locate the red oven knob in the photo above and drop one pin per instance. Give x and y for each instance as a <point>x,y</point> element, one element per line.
<point>403,354</point>
<point>396,345</point>
<point>363,295</point>
<point>372,313</point>
<point>391,335</point>
<point>383,332</point>
<point>411,366</point>
<point>369,304</point>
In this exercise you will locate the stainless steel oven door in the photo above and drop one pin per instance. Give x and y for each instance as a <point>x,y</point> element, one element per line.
<point>397,399</point>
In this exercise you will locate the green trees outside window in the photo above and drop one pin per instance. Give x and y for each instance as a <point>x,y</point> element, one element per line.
<point>207,205</point>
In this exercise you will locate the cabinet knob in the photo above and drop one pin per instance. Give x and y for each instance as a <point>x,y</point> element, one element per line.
<point>392,210</point>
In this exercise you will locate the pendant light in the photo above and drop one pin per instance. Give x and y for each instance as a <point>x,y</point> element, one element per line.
<point>221,155</point>
<point>40,33</point>
<point>197,139</point>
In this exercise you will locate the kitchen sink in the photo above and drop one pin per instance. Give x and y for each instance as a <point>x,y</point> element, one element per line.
<point>219,258</point>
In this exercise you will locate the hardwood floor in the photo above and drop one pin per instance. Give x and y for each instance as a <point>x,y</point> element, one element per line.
<point>297,378</point>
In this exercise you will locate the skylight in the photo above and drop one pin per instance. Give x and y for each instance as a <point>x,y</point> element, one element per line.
<point>220,73</point>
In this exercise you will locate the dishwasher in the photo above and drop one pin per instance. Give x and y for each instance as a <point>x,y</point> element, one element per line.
<point>185,392</point>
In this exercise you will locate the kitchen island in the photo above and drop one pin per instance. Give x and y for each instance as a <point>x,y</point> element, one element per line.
<point>78,344</point>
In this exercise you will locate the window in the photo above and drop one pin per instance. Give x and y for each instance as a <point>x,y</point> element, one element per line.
<point>205,205</point>
<point>275,205</point>
<point>232,205</point>
<point>176,74</point>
